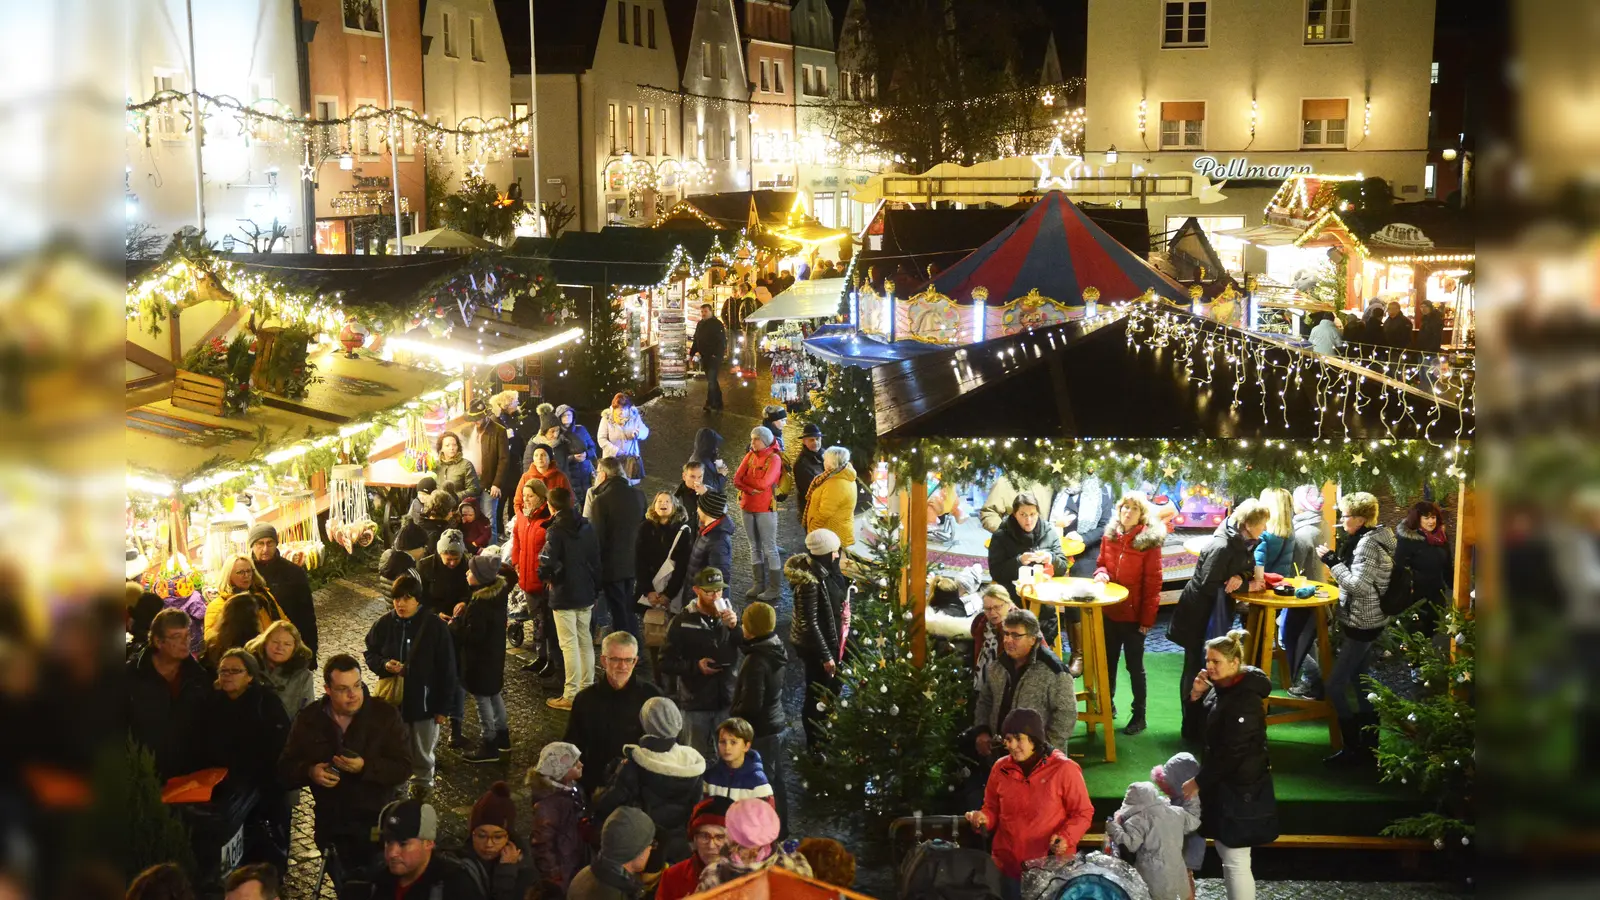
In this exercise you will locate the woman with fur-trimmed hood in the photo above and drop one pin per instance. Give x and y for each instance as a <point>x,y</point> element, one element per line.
<point>1130,555</point>
<point>661,777</point>
<point>286,665</point>
<point>821,621</point>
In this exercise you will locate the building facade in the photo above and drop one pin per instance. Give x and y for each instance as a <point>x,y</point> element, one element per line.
<point>353,170</point>
<point>1253,91</point>
<point>715,131</point>
<point>823,182</point>
<point>467,84</point>
<point>769,62</point>
<point>252,184</point>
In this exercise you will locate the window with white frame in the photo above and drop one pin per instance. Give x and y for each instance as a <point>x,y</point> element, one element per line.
<point>166,119</point>
<point>661,117</point>
<point>1183,125</point>
<point>1183,23</point>
<point>406,147</point>
<point>649,143</point>
<point>777,76</point>
<point>766,78</point>
<point>475,38</point>
<point>700,141</point>
<point>449,27</point>
<point>1323,123</point>
<point>733,139</point>
<point>630,128</point>
<point>519,111</point>
<point>327,110</point>
<point>846,85</point>
<point>1328,21</point>
<point>705,59</point>
<point>611,122</point>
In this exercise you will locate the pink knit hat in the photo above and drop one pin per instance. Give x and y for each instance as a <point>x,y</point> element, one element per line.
<point>1307,499</point>
<point>753,824</point>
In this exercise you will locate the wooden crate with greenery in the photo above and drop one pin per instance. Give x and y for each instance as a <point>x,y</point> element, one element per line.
<point>201,393</point>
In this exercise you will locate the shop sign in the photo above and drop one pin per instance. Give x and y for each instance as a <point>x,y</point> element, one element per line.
<point>1398,234</point>
<point>1240,167</point>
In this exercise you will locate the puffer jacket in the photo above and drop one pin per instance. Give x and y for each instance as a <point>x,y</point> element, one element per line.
<point>1363,580</point>
<point>1133,560</point>
<point>1230,553</point>
<point>691,637</point>
<point>1151,826</point>
<point>1045,685</point>
<point>1432,565</point>
<point>1310,531</point>
<point>1010,542</point>
<point>1026,811</point>
<point>461,472</point>
<point>569,564</point>
<point>556,847</point>
<point>662,778</point>
<point>831,503</point>
<point>527,542</point>
<point>819,597</point>
<point>480,639</point>
<point>1235,743</point>
<point>1276,554</point>
<point>613,436</point>
<point>552,477</point>
<point>758,691</point>
<point>757,475</point>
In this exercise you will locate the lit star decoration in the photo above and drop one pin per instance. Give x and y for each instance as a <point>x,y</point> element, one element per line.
<point>1358,459</point>
<point>1046,162</point>
<point>476,169</point>
<point>308,172</point>
<point>1168,472</point>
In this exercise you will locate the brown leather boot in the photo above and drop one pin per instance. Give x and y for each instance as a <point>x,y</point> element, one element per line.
<point>1075,647</point>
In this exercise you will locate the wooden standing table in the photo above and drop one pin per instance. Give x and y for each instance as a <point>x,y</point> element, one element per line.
<point>1261,650</point>
<point>1096,689</point>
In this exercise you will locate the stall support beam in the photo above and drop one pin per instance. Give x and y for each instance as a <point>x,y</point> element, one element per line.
<point>1468,538</point>
<point>1330,518</point>
<point>914,522</point>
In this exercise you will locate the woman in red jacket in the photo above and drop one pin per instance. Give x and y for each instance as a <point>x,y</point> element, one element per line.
<point>757,475</point>
<point>1035,803</point>
<point>1130,555</point>
<point>527,541</point>
<point>543,468</point>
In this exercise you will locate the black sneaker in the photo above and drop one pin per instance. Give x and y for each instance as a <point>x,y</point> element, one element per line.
<point>486,753</point>
<point>1135,725</point>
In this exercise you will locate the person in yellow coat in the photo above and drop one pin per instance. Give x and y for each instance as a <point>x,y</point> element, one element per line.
<point>239,576</point>
<point>831,499</point>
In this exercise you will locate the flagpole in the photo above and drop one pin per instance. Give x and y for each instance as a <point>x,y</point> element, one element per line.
<point>533,120</point>
<point>394,133</point>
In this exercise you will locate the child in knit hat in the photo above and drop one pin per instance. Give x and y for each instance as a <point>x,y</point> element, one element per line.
<point>1154,828</point>
<point>479,629</point>
<point>558,806</point>
<point>661,777</point>
<point>752,846</point>
<point>501,859</point>
<point>1170,777</point>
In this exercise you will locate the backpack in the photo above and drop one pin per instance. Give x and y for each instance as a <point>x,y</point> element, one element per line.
<point>1398,596</point>
<point>940,870</point>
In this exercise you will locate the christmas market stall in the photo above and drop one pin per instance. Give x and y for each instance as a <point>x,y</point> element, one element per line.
<point>795,313</point>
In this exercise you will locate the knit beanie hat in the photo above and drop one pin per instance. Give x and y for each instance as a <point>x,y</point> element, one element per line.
<point>1307,499</point>
<point>821,542</point>
<point>1023,720</point>
<point>762,433</point>
<point>710,811</point>
<point>411,536</point>
<point>556,759</point>
<point>484,569</point>
<point>394,563</point>
<point>661,718</point>
<point>714,504</point>
<point>494,808</point>
<point>760,619</point>
<point>773,417</point>
<point>626,834</point>
<point>547,417</point>
<point>427,484</point>
<point>260,531</point>
<point>451,541</point>
<point>753,823</point>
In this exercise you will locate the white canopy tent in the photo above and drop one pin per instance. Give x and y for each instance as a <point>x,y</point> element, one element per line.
<point>814,299</point>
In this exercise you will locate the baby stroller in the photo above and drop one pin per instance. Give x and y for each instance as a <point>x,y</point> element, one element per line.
<point>1092,876</point>
<point>948,866</point>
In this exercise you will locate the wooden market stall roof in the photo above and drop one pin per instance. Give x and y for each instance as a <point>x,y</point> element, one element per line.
<point>1093,381</point>
<point>763,208</point>
<point>624,255</point>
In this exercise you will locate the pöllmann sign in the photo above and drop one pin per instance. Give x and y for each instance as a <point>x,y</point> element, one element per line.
<point>1239,167</point>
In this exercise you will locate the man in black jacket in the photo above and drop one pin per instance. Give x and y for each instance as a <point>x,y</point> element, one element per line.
<point>409,829</point>
<point>808,465</point>
<point>569,565</point>
<point>605,715</point>
<point>166,690</point>
<point>288,583</point>
<point>616,510</point>
<point>711,344</point>
<point>758,695</point>
<point>701,649</point>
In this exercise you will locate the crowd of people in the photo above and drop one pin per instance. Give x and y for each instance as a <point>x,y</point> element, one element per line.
<point>1380,325</point>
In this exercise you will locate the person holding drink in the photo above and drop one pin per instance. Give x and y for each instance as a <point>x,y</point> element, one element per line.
<point>1025,539</point>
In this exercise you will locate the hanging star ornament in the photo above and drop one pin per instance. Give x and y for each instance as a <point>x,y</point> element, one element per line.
<point>1046,162</point>
<point>1168,471</point>
<point>1358,459</point>
<point>476,169</point>
<point>308,172</point>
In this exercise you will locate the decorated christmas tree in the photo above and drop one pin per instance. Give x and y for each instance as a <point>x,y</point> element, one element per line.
<point>1427,736</point>
<point>890,746</point>
<point>843,410</point>
<point>602,365</point>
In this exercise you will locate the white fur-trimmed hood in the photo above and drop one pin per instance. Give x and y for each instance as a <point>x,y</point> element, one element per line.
<point>679,762</point>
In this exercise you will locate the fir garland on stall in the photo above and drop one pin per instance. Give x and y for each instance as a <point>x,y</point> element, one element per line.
<point>890,736</point>
<point>603,366</point>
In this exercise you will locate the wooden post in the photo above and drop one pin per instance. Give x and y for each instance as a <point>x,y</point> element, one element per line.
<point>1330,517</point>
<point>915,525</point>
<point>175,336</point>
<point>1475,528</point>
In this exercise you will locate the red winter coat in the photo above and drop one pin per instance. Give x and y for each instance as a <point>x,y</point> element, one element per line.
<point>680,879</point>
<point>528,534</point>
<point>755,478</point>
<point>1133,560</point>
<point>551,477</point>
<point>1026,812</point>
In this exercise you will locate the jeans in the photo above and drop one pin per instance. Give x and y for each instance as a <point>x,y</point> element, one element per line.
<point>700,730</point>
<point>458,705</point>
<point>762,529</point>
<point>1194,711</point>
<point>619,598</point>
<point>496,530</point>
<point>818,685</point>
<point>771,750</point>
<point>1299,631</point>
<point>577,650</point>
<point>713,367</point>
<point>424,737</point>
<point>491,714</point>
<point>1010,888</point>
<point>1349,664</point>
<point>1122,636</point>
<point>1237,879</point>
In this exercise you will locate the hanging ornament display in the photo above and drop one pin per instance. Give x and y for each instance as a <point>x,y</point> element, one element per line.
<point>418,457</point>
<point>297,529</point>
<point>225,536</point>
<point>353,336</point>
<point>349,523</point>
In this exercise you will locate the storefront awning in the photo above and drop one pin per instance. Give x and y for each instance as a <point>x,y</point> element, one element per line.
<point>1265,236</point>
<point>815,299</point>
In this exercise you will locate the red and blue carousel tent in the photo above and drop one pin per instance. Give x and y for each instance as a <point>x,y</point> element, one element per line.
<point>1058,251</point>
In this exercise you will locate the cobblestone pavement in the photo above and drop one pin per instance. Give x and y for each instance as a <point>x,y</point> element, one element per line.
<point>347,608</point>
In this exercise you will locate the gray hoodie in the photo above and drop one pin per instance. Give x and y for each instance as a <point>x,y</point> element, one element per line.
<point>1154,829</point>
<point>1309,531</point>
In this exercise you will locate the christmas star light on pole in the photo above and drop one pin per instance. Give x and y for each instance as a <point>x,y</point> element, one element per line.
<point>1046,162</point>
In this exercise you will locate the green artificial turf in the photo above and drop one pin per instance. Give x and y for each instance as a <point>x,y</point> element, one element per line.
<point>1312,798</point>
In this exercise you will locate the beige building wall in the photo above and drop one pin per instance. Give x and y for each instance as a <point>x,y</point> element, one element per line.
<point>466,75</point>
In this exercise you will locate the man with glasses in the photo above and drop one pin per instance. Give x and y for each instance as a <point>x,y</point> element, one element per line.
<point>496,857</point>
<point>605,715</point>
<point>1027,674</point>
<point>702,650</point>
<point>353,753</point>
<point>166,689</point>
<point>708,831</point>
